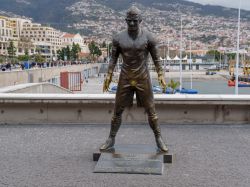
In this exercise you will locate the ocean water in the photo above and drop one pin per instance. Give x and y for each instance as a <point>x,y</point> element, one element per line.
<point>212,87</point>
<point>215,87</point>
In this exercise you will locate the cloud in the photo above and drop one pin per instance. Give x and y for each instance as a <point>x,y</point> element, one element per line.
<point>226,3</point>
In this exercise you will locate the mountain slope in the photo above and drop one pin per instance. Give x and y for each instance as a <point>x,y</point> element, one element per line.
<point>53,11</point>
<point>102,18</point>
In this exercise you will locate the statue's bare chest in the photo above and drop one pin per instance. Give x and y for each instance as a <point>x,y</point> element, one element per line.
<point>129,44</point>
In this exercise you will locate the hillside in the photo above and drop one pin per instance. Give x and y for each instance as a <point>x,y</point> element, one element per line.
<point>209,25</point>
<point>56,12</point>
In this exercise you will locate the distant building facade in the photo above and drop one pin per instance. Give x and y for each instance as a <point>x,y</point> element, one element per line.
<point>6,34</point>
<point>46,40</point>
<point>35,38</point>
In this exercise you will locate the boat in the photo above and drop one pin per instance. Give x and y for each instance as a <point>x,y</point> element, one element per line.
<point>187,91</point>
<point>113,89</point>
<point>156,89</point>
<point>241,84</point>
<point>170,91</point>
<point>231,83</point>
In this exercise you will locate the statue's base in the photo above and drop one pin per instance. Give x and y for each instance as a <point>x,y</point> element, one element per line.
<point>132,159</point>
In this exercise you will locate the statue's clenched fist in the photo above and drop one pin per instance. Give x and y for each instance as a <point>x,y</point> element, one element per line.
<point>162,82</point>
<point>107,82</point>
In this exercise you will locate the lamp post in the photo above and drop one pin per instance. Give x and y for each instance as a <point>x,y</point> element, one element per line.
<point>237,55</point>
<point>181,58</point>
<point>169,61</point>
<point>190,63</point>
<point>108,53</point>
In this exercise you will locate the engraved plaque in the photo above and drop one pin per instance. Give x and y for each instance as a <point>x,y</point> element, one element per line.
<point>130,160</point>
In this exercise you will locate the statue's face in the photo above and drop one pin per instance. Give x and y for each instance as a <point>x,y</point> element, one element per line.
<point>133,23</point>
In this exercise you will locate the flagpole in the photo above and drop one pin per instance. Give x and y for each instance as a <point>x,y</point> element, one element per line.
<point>181,58</point>
<point>237,58</point>
<point>169,62</point>
<point>190,61</point>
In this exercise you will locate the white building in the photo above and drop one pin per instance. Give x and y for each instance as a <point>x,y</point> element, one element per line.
<point>6,34</point>
<point>69,39</point>
<point>17,25</point>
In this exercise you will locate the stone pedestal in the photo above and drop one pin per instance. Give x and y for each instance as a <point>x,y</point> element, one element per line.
<point>132,159</point>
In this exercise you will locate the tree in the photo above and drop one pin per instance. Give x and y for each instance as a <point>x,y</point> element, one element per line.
<point>1,60</point>
<point>76,49</point>
<point>24,57</point>
<point>11,50</point>
<point>216,54</point>
<point>109,49</point>
<point>103,45</point>
<point>173,85</point>
<point>60,54</point>
<point>231,56</point>
<point>94,50</point>
<point>38,58</point>
<point>68,53</point>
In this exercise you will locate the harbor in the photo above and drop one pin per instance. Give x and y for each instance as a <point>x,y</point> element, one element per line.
<point>205,84</point>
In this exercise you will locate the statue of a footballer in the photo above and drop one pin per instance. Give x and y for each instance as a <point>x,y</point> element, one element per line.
<point>134,45</point>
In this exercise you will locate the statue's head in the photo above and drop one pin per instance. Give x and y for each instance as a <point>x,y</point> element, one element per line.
<point>133,18</point>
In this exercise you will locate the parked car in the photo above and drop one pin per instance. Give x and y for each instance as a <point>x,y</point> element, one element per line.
<point>214,68</point>
<point>210,73</point>
<point>5,67</point>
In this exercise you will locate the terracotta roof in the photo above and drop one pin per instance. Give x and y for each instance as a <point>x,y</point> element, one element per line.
<point>67,35</point>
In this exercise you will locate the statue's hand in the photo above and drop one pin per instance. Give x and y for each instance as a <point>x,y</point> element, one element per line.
<point>107,82</point>
<point>162,82</point>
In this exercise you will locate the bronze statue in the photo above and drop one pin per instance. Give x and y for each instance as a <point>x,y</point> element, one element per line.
<point>134,45</point>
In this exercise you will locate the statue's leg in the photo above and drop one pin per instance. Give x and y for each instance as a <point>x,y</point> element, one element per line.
<point>153,122</point>
<point>115,125</point>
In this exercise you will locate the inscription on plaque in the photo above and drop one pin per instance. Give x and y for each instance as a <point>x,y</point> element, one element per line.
<point>130,163</point>
<point>132,159</point>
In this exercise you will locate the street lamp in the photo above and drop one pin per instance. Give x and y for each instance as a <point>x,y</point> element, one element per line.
<point>181,58</point>
<point>237,58</point>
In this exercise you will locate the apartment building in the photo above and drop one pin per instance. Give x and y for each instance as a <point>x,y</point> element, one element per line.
<point>17,25</point>
<point>6,34</point>
<point>46,40</point>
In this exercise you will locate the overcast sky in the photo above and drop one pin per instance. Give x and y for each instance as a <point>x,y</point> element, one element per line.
<point>227,3</point>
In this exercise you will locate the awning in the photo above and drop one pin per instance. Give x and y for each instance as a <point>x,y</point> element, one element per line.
<point>176,58</point>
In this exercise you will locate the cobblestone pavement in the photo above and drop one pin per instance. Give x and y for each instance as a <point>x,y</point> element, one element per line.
<point>61,155</point>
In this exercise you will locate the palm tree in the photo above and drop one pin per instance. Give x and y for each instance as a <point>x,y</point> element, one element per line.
<point>173,85</point>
